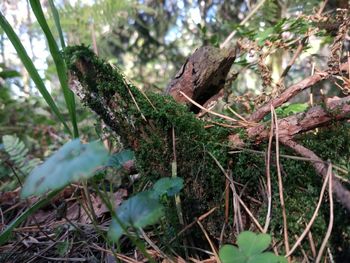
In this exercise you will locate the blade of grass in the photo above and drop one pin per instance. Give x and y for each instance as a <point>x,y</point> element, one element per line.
<point>59,62</point>
<point>28,64</point>
<point>6,234</point>
<point>56,18</point>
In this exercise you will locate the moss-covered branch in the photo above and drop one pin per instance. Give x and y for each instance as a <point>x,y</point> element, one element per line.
<point>144,123</point>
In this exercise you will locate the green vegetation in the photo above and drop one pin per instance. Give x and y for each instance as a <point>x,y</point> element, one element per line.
<point>170,186</point>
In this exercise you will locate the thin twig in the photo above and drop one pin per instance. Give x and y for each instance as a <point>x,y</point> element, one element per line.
<point>193,223</point>
<point>268,177</point>
<point>233,33</point>
<point>301,46</point>
<point>280,186</point>
<point>210,242</point>
<point>154,246</point>
<point>256,222</point>
<point>311,240</point>
<point>242,123</point>
<point>331,215</point>
<point>312,220</point>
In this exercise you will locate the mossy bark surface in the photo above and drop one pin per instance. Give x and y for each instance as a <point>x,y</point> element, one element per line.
<point>145,123</point>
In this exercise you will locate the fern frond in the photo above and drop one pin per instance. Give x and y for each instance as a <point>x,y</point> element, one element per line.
<point>18,154</point>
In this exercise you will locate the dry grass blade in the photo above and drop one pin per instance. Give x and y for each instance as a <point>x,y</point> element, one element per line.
<point>154,246</point>
<point>193,223</point>
<point>268,176</point>
<point>242,123</point>
<point>280,185</point>
<point>331,215</point>
<point>210,242</point>
<point>308,227</point>
<point>256,222</point>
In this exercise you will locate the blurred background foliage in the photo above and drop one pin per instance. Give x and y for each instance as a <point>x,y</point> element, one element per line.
<point>149,40</point>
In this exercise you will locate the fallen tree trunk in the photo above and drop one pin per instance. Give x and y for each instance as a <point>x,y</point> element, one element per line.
<point>160,129</point>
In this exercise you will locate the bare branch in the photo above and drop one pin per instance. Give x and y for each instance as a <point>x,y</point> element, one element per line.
<point>292,91</point>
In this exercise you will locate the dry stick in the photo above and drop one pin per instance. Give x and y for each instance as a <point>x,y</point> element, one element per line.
<point>256,222</point>
<point>280,186</point>
<point>227,199</point>
<point>193,223</point>
<point>154,246</point>
<point>242,123</point>
<point>210,242</point>
<point>331,215</point>
<point>292,91</point>
<point>303,252</point>
<point>119,256</point>
<point>312,243</point>
<point>268,177</point>
<point>236,207</point>
<point>233,33</point>
<point>330,255</point>
<point>312,220</point>
<point>236,114</point>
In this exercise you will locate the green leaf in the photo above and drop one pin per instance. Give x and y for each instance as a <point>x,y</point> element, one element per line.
<point>74,161</point>
<point>7,74</point>
<point>117,160</point>
<point>168,186</point>
<point>264,35</point>
<point>295,108</point>
<point>252,244</point>
<point>56,18</point>
<point>267,257</point>
<point>231,254</point>
<point>28,64</point>
<point>137,212</point>
<point>59,62</point>
<point>62,248</point>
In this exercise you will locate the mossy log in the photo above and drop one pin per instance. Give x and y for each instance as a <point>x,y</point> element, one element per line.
<point>157,128</point>
<point>161,130</point>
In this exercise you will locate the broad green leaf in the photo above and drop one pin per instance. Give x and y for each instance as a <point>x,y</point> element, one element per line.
<point>59,62</point>
<point>73,162</point>
<point>267,257</point>
<point>137,212</point>
<point>168,186</point>
<point>28,64</point>
<point>117,160</point>
<point>231,254</point>
<point>252,244</point>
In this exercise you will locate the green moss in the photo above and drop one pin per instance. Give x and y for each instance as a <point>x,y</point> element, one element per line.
<point>145,123</point>
<point>301,187</point>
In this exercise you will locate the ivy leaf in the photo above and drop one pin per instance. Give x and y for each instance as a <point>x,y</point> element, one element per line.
<point>252,244</point>
<point>72,162</point>
<point>168,186</point>
<point>117,160</point>
<point>231,254</point>
<point>137,212</point>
